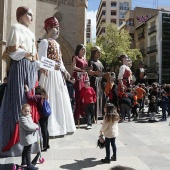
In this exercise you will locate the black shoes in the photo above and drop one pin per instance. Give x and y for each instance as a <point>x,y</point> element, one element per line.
<point>45,148</point>
<point>105,161</point>
<point>113,159</point>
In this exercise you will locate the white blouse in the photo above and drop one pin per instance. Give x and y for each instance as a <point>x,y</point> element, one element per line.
<point>122,70</point>
<point>20,35</point>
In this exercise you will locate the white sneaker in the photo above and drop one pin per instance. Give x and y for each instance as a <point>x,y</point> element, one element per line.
<point>89,127</point>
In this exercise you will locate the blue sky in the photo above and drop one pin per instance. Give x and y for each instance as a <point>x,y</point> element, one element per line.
<point>94,4</point>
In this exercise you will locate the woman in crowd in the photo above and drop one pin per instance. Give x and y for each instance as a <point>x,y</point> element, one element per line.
<point>80,75</point>
<point>22,52</point>
<point>61,120</point>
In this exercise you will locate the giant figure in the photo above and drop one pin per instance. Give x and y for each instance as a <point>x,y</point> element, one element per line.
<point>22,54</point>
<point>124,76</point>
<point>80,75</point>
<point>95,72</point>
<point>61,120</point>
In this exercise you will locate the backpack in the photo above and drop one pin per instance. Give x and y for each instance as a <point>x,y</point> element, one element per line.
<point>46,109</point>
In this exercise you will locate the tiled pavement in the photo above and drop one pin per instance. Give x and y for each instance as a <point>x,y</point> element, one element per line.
<point>143,146</point>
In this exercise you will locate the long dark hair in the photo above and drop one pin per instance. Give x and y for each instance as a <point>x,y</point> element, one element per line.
<point>78,48</point>
<point>111,113</point>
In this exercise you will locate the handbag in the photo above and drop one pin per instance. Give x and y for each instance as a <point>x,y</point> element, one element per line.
<point>101,142</point>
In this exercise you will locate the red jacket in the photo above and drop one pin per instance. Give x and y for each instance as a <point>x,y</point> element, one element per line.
<point>88,95</point>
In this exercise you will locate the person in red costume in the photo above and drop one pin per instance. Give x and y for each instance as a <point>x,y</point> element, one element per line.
<point>88,95</point>
<point>80,75</point>
<point>22,53</point>
<point>124,74</point>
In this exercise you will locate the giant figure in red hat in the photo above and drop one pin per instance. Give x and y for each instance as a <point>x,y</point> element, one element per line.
<point>61,120</point>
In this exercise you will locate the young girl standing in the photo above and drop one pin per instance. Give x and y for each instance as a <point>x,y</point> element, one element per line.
<point>27,130</point>
<point>110,130</point>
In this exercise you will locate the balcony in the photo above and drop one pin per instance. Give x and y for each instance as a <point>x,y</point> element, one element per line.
<point>152,30</point>
<point>151,49</point>
<point>141,35</point>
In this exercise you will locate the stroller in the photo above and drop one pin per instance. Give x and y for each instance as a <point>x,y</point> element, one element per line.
<point>34,161</point>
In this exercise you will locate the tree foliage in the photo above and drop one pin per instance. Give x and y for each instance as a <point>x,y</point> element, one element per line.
<point>113,43</point>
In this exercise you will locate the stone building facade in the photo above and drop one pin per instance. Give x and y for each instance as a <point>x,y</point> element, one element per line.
<point>70,13</point>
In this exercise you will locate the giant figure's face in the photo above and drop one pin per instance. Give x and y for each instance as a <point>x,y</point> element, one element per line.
<point>125,60</point>
<point>53,32</point>
<point>27,18</point>
<point>97,54</point>
<point>82,51</point>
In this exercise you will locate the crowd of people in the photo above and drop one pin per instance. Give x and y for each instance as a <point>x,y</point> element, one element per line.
<point>89,92</point>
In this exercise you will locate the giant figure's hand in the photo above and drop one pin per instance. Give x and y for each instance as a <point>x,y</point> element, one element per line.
<point>44,71</point>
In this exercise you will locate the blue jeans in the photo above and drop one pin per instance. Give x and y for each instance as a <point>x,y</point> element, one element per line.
<point>107,146</point>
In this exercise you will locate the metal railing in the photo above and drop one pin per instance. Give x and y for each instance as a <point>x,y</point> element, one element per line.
<point>152,29</point>
<point>152,48</point>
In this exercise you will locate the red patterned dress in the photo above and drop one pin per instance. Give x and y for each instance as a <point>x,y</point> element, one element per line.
<point>80,77</point>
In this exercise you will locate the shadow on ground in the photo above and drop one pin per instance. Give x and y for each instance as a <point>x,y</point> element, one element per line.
<point>80,164</point>
<point>144,118</point>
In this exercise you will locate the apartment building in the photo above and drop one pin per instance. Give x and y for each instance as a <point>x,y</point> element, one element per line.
<point>111,11</point>
<point>154,43</point>
<point>88,31</point>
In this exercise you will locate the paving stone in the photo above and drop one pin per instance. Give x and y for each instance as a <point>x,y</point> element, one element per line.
<point>142,146</point>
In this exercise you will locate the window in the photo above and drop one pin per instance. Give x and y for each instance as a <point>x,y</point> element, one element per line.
<point>113,13</point>
<point>124,5</point>
<point>113,4</point>
<point>121,15</point>
<point>104,4</point>
<point>88,29</point>
<point>130,22</point>
<point>153,40</point>
<point>152,60</point>
<point>113,21</point>
<point>152,23</point>
<point>103,12</point>
<point>120,23</point>
<point>103,21</point>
